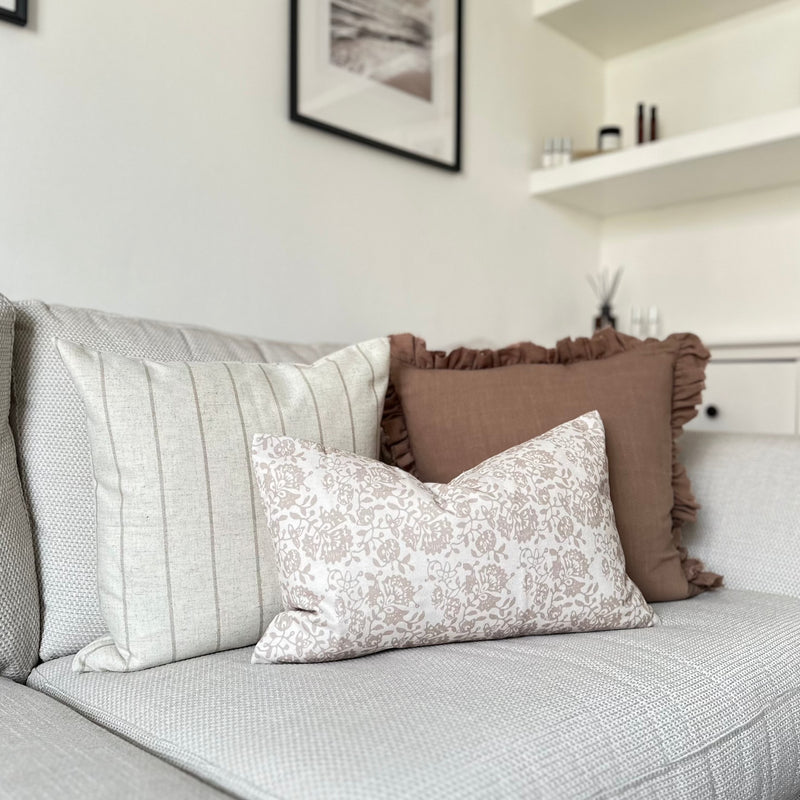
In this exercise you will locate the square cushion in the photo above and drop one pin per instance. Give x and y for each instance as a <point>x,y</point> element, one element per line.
<point>445,413</point>
<point>705,705</point>
<point>49,424</point>
<point>185,561</point>
<point>19,594</point>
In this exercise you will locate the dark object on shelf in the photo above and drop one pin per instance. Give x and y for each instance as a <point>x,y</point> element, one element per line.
<point>605,286</point>
<point>640,124</point>
<point>653,124</point>
<point>712,411</point>
<point>333,88</point>
<point>17,14</point>
<point>609,137</point>
<point>605,319</point>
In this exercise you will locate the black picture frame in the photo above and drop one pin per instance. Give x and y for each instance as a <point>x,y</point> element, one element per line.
<point>19,16</point>
<point>453,164</point>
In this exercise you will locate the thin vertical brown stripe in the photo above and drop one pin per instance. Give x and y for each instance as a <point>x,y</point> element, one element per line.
<point>316,407</point>
<point>249,469</point>
<point>275,399</point>
<point>378,408</point>
<point>349,404</point>
<point>104,393</point>
<point>163,510</point>
<point>211,529</point>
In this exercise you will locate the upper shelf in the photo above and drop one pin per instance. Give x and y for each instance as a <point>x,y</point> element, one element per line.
<point>612,27</point>
<point>757,153</point>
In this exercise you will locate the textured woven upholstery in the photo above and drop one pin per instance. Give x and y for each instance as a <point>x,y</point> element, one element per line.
<point>53,446</point>
<point>19,595</point>
<point>706,705</point>
<point>749,525</point>
<point>50,751</point>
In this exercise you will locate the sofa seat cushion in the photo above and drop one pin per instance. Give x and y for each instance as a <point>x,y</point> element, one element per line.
<point>50,751</point>
<point>705,705</point>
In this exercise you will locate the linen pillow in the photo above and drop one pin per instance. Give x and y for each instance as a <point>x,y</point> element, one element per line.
<point>49,424</point>
<point>185,563</point>
<point>445,413</point>
<point>370,558</point>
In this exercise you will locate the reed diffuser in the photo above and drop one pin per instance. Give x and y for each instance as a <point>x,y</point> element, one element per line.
<point>604,285</point>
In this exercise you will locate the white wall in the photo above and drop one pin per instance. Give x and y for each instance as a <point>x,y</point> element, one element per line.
<point>727,269</point>
<point>740,68</point>
<point>147,166</point>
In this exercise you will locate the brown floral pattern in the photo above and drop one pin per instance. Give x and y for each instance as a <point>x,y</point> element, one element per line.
<point>371,559</point>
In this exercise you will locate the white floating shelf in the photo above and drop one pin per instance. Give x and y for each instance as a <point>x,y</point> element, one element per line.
<point>612,27</point>
<point>757,153</point>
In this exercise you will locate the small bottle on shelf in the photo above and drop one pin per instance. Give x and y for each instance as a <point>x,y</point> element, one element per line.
<point>637,322</point>
<point>654,124</point>
<point>547,154</point>
<point>653,322</point>
<point>640,124</point>
<point>605,319</point>
<point>609,138</point>
<point>558,156</point>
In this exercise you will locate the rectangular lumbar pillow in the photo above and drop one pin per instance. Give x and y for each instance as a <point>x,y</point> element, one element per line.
<point>185,562</point>
<point>447,412</point>
<point>370,558</point>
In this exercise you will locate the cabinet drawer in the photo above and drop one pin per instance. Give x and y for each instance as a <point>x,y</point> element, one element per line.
<point>749,397</point>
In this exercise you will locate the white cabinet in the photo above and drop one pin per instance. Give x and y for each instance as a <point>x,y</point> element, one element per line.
<point>751,389</point>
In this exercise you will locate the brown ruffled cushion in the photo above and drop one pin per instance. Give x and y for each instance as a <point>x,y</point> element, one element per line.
<point>446,412</point>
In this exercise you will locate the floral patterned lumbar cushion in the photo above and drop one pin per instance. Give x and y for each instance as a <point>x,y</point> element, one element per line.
<point>370,558</point>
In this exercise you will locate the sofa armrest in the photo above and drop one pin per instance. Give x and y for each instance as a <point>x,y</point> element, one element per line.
<point>748,527</point>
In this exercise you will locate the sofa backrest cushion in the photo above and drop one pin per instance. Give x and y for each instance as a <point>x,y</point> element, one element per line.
<point>748,486</point>
<point>19,595</point>
<point>49,423</point>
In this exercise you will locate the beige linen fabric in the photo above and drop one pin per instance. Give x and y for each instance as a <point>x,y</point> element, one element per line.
<point>185,564</point>
<point>48,421</point>
<point>370,558</point>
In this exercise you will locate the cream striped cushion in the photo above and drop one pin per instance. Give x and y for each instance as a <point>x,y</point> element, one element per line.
<point>185,562</point>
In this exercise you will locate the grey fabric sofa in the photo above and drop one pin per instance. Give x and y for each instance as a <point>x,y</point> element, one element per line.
<point>49,750</point>
<point>705,705</point>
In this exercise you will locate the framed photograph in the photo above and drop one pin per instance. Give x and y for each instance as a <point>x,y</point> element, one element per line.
<point>15,11</point>
<point>386,73</point>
